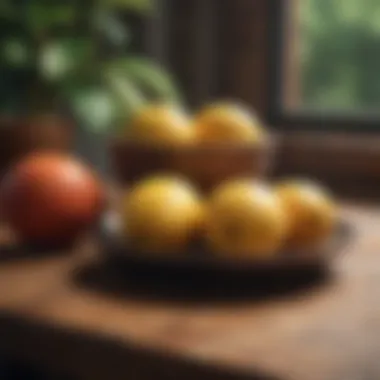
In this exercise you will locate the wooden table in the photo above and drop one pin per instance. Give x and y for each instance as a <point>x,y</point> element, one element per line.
<point>69,314</point>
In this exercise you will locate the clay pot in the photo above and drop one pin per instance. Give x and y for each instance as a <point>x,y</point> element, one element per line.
<point>21,136</point>
<point>204,166</point>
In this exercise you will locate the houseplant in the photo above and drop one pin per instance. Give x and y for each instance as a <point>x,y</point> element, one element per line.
<point>66,61</point>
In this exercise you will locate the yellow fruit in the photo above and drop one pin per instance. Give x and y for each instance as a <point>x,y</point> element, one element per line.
<point>162,214</point>
<point>245,220</point>
<point>311,212</point>
<point>161,125</point>
<point>228,123</point>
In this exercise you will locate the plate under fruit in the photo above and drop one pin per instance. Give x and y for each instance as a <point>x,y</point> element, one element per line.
<point>198,259</point>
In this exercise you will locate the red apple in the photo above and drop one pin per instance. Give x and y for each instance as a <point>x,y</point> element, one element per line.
<point>50,198</point>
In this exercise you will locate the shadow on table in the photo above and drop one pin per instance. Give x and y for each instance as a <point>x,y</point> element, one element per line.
<point>201,286</point>
<point>18,252</point>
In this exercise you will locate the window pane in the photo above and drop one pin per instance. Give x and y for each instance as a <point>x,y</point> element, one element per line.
<point>333,55</point>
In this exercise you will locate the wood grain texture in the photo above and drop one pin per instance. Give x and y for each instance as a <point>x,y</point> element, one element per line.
<point>219,49</point>
<point>348,163</point>
<point>243,52</point>
<point>49,315</point>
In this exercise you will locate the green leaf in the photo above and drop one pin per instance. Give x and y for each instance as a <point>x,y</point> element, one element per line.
<point>15,52</point>
<point>6,10</point>
<point>93,106</point>
<point>152,80</point>
<point>65,57</point>
<point>110,26</point>
<point>133,5</point>
<point>126,95</point>
<point>41,17</point>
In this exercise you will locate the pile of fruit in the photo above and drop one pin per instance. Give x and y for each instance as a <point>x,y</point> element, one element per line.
<point>241,217</point>
<point>50,198</point>
<point>222,123</point>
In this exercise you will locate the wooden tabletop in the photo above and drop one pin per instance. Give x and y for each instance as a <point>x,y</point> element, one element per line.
<point>75,314</point>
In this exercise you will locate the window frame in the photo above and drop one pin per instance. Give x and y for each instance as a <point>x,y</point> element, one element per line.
<point>287,120</point>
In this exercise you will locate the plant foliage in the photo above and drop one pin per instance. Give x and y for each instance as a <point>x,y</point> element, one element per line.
<point>75,53</point>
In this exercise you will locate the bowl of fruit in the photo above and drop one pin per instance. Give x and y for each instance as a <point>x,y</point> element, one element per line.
<point>241,225</point>
<point>222,141</point>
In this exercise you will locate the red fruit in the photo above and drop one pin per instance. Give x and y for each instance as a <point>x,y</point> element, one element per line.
<point>50,198</point>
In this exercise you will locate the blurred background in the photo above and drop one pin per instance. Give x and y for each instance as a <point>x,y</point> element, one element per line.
<point>308,68</point>
<point>333,55</point>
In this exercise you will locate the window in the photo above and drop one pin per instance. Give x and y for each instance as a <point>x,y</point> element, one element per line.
<point>329,55</point>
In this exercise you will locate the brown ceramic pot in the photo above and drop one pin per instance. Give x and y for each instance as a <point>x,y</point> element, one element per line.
<point>204,166</point>
<point>21,136</point>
